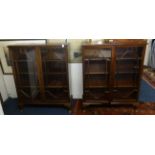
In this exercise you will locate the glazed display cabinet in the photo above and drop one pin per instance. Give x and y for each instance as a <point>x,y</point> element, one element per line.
<point>112,72</point>
<point>41,74</point>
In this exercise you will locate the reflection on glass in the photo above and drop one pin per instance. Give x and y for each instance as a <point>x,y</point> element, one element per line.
<point>27,72</point>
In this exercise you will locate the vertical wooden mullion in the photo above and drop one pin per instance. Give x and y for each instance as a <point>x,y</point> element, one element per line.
<point>84,63</point>
<point>141,69</point>
<point>40,72</point>
<point>112,72</point>
<point>83,72</point>
<point>88,75</point>
<point>17,68</point>
<point>16,78</point>
<point>13,65</point>
<point>66,71</point>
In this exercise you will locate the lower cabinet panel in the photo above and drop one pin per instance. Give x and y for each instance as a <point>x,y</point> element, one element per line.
<point>125,94</point>
<point>56,94</point>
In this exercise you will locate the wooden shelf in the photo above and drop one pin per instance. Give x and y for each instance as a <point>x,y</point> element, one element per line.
<point>55,73</point>
<point>26,73</point>
<point>24,60</point>
<point>56,84</point>
<point>87,86</point>
<point>125,73</point>
<point>95,83</point>
<point>96,73</point>
<point>125,59</point>
<point>125,86</point>
<point>54,60</point>
<point>92,101</point>
<point>97,59</point>
<point>27,86</point>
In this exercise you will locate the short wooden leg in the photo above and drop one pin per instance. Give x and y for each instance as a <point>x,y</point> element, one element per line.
<point>21,107</point>
<point>135,108</point>
<point>70,111</point>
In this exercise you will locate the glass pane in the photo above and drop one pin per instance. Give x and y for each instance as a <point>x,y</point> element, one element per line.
<point>96,94</point>
<point>129,52</point>
<point>51,66</point>
<point>55,80</point>
<point>128,62</point>
<point>97,53</point>
<point>54,67</point>
<point>56,94</point>
<point>126,80</point>
<point>29,93</point>
<point>127,66</point>
<point>96,81</point>
<point>97,62</point>
<point>125,93</point>
<point>26,70</point>
<point>97,67</point>
<point>54,53</point>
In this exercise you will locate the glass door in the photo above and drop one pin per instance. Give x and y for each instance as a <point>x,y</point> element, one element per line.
<point>55,72</point>
<point>24,60</point>
<point>97,64</point>
<point>127,72</point>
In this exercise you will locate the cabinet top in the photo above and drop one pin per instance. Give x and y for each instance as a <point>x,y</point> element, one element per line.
<point>40,45</point>
<point>140,43</point>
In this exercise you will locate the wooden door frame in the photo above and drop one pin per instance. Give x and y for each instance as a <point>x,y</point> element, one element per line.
<point>40,71</point>
<point>1,99</point>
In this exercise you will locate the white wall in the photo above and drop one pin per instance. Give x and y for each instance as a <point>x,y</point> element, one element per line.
<point>1,110</point>
<point>75,80</point>
<point>3,89</point>
<point>147,52</point>
<point>10,86</point>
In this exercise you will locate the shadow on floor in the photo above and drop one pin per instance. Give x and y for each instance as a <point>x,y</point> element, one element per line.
<point>10,108</point>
